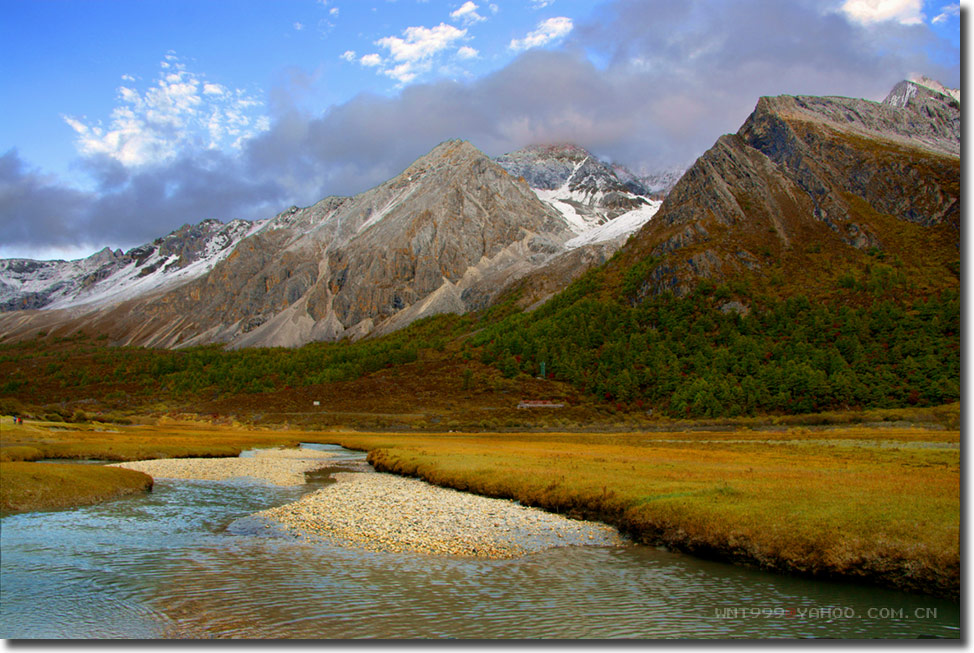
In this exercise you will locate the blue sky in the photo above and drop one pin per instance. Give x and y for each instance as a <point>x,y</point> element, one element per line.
<point>126,119</point>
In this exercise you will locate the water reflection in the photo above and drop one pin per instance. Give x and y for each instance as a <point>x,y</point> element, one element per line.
<point>184,561</point>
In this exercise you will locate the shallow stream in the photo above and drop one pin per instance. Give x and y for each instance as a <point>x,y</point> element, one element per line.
<point>184,561</point>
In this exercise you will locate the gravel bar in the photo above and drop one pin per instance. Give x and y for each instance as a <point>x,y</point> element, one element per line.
<point>384,512</point>
<point>275,466</point>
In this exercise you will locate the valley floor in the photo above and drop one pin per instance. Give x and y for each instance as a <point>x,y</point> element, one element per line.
<point>873,504</point>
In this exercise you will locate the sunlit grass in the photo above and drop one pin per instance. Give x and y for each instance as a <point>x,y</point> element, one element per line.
<point>863,503</point>
<point>40,486</point>
<point>137,442</point>
<point>871,503</point>
<point>37,486</point>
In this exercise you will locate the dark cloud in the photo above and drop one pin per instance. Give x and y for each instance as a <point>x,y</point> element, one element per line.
<point>126,208</point>
<point>675,77</point>
<point>35,210</point>
<point>671,78</point>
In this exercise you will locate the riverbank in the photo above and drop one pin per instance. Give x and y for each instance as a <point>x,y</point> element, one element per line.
<point>383,512</point>
<point>28,486</point>
<point>880,507</point>
<point>276,466</point>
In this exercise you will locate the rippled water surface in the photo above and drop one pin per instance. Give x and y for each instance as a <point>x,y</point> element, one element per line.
<point>184,561</point>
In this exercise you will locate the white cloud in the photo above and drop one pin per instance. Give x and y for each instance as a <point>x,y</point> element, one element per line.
<point>421,42</point>
<point>493,8</point>
<point>905,12</point>
<point>466,52</point>
<point>128,78</point>
<point>370,60</point>
<point>414,54</point>
<point>548,30</point>
<point>541,4</point>
<point>348,55</point>
<point>181,110</point>
<point>298,26</point>
<point>333,11</point>
<point>946,12</point>
<point>467,14</point>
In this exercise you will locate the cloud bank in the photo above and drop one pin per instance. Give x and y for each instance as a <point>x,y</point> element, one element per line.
<point>650,84</point>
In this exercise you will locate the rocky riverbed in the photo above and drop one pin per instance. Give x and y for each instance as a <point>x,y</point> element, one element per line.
<point>276,466</point>
<point>383,512</point>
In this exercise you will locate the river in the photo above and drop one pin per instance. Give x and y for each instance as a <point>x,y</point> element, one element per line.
<point>185,561</point>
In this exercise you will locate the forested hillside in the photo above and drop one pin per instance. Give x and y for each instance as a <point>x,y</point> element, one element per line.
<point>695,357</point>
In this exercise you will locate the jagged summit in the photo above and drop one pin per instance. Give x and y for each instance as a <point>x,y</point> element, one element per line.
<point>549,167</point>
<point>933,84</point>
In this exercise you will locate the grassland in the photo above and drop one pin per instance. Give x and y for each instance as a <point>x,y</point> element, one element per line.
<point>27,485</point>
<point>157,438</point>
<point>36,486</point>
<point>820,495</point>
<point>866,504</point>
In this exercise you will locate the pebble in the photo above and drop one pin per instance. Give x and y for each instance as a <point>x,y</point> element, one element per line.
<point>384,512</point>
<point>276,466</point>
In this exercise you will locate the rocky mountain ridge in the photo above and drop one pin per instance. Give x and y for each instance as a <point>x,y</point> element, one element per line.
<point>809,188</point>
<point>446,235</point>
<point>586,191</point>
<point>108,275</point>
<point>812,187</point>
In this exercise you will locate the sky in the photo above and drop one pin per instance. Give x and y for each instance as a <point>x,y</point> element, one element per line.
<point>123,120</point>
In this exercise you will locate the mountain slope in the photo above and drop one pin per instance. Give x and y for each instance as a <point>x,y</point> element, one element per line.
<point>809,262</point>
<point>809,188</point>
<point>446,235</point>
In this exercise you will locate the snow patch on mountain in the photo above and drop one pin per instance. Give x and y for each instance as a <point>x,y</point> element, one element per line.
<point>934,85</point>
<point>598,202</point>
<point>568,204</point>
<point>625,224</point>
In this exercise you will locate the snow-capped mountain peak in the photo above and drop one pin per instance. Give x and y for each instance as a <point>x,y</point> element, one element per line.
<point>586,192</point>
<point>107,276</point>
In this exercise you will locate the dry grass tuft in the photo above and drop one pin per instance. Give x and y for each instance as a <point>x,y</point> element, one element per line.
<point>37,486</point>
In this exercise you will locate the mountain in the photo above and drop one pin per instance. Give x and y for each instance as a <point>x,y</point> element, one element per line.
<point>107,276</point>
<point>659,184</point>
<point>446,235</point>
<point>809,262</point>
<point>810,195</point>
<point>810,189</point>
<point>586,191</point>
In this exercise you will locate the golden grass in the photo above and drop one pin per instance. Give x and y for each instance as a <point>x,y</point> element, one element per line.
<point>872,504</point>
<point>40,486</point>
<point>165,439</point>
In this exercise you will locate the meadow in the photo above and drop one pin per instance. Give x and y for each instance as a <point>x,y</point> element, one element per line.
<point>28,485</point>
<point>878,504</point>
